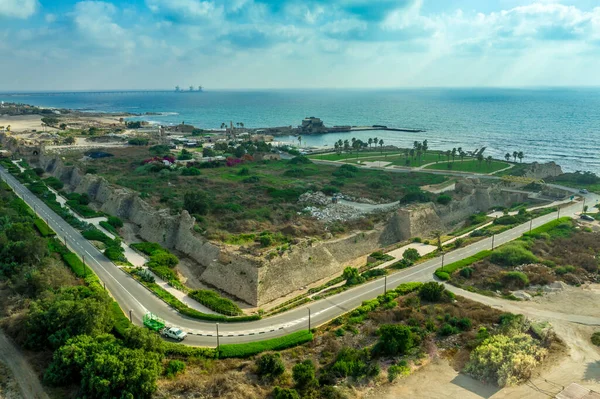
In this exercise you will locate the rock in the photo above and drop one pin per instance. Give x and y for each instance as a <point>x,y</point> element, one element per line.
<point>541,171</point>
<point>558,285</point>
<point>522,295</point>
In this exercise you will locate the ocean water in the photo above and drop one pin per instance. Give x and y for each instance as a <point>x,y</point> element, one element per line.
<point>561,125</point>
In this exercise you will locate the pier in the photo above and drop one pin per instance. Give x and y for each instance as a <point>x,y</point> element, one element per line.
<point>377,127</point>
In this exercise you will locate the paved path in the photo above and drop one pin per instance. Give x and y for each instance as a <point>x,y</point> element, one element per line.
<point>132,296</point>
<point>23,373</point>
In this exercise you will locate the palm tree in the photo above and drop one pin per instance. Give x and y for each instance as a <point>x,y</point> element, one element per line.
<point>346,146</point>
<point>416,145</point>
<point>300,140</point>
<point>480,158</point>
<point>370,142</point>
<point>242,124</point>
<point>448,154</point>
<point>375,141</point>
<point>515,155</point>
<point>425,146</point>
<point>461,154</point>
<point>520,155</point>
<point>337,148</point>
<point>507,156</point>
<point>419,153</point>
<point>438,236</point>
<point>453,154</point>
<point>223,126</point>
<point>381,145</point>
<point>412,153</point>
<point>489,160</point>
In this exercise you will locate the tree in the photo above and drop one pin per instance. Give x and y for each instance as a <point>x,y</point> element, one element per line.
<point>425,146</point>
<point>381,145</point>
<point>304,374</point>
<point>431,291</point>
<point>453,154</point>
<point>370,141</point>
<point>50,120</point>
<point>352,276</point>
<point>489,160</point>
<point>70,140</point>
<point>515,155</point>
<point>394,339</point>
<point>270,366</point>
<point>196,202</point>
<point>208,152</point>
<point>346,146</point>
<point>239,152</point>
<point>337,148</point>
<point>438,236</point>
<point>448,154</point>
<point>285,393</point>
<point>411,254</point>
<point>507,157</point>
<point>520,155</point>
<point>480,159</point>
<point>300,141</point>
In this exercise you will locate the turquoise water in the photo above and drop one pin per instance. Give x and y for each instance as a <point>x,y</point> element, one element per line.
<point>561,125</point>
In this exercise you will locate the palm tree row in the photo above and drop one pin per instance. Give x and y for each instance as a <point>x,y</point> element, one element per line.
<point>355,144</point>
<point>515,155</point>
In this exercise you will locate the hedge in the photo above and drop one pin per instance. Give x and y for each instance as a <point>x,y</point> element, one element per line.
<point>175,349</point>
<point>215,302</point>
<point>148,248</point>
<point>109,227</point>
<point>84,210</point>
<point>445,272</point>
<point>43,228</point>
<point>94,234</point>
<point>275,344</point>
<point>122,322</point>
<point>182,308</point>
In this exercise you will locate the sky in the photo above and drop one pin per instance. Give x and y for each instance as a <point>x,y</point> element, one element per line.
<point>245,44</point>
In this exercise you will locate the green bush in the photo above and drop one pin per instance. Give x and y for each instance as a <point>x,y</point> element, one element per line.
<point>399,369</point>
<point>285,393</point>
<point>93,234</point>
<point>54,183</point>
<point>270,366</point>
<point>411,254</point>
<point>562,270</point>
<point>304,373</point>
<point>108,227</point>
<point>596,338</point>
<point>518,279</point>
<point>164,258</point>
<point>444,273</point>
<point>444,199</point>
<point>43,228</point>
<point>148,248</point>
<point>467,272</point>
<point>215,302</point>
<point>447,330</point>
<point>513,254</point>
<point>394,339</point>
<point>275,344</point>
<point>174,367</point>
<point>115,221</point>
<point>431,291</point>
<point>190,172</point>
<point>352,276</point>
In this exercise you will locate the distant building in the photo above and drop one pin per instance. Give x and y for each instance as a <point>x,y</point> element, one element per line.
<point>183,128</point>
<point>266,156</point>
<point>312,125</point>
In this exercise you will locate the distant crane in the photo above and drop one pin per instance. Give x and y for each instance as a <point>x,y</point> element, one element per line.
<point>177,88</point>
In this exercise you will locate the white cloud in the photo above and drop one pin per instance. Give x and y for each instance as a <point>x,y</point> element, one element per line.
<point>187,9</point>
<point>94,19</point>
<point>21,9</point>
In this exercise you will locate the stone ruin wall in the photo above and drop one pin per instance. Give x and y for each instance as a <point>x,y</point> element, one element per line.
<point>257,280</point>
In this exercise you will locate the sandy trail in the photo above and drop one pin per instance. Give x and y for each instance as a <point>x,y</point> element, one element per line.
<point>23,373</point>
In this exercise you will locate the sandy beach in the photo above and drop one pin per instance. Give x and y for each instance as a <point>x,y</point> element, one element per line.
<point>27,123</point>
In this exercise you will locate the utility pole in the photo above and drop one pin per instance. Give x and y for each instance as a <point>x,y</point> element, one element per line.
<point>530,224</point>
<point>83,261</point>
<point>217,324</point>
<point>558,217</point>
<point>493,237</point>
<point>130,316</point>
<point>443,254</point>
<point>308,319</point>
<point>583,208</point>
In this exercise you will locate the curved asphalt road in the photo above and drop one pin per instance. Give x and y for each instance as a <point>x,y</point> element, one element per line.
<point>133,296</point>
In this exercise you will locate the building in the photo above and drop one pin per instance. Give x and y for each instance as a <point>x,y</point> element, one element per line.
<point>312,125</point>
<point>266,156</point>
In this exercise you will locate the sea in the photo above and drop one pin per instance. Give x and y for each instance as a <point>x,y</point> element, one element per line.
<point>547,124</point>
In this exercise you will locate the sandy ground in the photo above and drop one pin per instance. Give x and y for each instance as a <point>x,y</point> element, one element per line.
<point>581,363</point>
<point>22,372</point>
<point>22,123</point>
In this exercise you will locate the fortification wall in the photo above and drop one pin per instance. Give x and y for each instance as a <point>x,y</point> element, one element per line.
<point>259,280</point>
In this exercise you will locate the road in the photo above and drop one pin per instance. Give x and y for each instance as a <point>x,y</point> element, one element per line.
<point>134,297</point>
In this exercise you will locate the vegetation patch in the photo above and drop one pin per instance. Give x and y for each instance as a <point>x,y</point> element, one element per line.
<point>275,344</point>
<point>215,302</point>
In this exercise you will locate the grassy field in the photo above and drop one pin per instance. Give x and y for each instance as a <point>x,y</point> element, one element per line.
<point>470,166</point>
<point>253,197</point>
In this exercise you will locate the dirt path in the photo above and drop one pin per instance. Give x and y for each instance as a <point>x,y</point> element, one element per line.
<point>23,373</point>
<point>574,316</point>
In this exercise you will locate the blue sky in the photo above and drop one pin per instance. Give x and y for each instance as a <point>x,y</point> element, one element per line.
<point>69,44</point>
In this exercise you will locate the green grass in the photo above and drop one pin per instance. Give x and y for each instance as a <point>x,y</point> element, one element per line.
<point>470,166</point>
<point>275,344</point>
<point>444,273</point>
<point>173,349</point>
<point>350,156</point>
<point>553,228</point>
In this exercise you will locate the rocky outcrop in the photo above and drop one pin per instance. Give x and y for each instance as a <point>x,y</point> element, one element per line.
<point>543,170</point>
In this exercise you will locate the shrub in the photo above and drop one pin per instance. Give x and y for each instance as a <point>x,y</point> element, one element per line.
<point>398,369</point>
<point>270,366</point>
<point>444,273</point>
<point>164,258</point>
<point>304,373</point>
<point>416,195</point>
<point>596,338</point>
<point>447,330</point>
<point>444,199</point>
<point>115,222</point>
<point>504,360</point>
<point>138,141</point>
<point>467,272</point>
<point>300,160</point>
<point>411,255</point>
<point>147,248</point>
<point>285,393</point>
<point>295,172</point>
<point>54,183</point>
<point>196,202</point>
<point>394,339</point>
<point>431,291</point>
<point>352,276</point>
<point>513,254</point>
<point>94,234</point>
<point>190,172</point>
<point>215,302</point>
<point>43,228</point>
<point>519,279</point>
<point>330,190</point>
<point>174,367</point>
<point>459,242</point>
<point>275,344</point>
<point>562,270</point>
